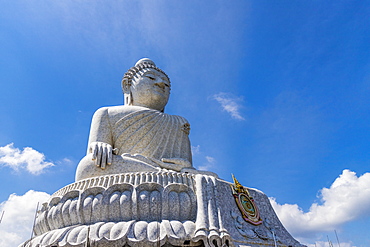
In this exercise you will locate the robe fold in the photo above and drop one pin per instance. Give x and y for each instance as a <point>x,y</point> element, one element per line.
<point>144,139</point>
<point>152,134</point>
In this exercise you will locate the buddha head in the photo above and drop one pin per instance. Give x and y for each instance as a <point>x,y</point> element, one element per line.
<point>146,85</point>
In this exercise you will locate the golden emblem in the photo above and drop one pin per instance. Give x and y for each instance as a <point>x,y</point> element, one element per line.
<point>245,203</point>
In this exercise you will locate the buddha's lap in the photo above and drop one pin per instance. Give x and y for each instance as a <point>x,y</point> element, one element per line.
<point>120,164</point>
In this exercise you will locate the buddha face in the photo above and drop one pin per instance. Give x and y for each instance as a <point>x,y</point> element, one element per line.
<point>150,88</point>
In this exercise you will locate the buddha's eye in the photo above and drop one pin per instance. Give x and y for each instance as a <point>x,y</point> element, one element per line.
<point>151,78</point>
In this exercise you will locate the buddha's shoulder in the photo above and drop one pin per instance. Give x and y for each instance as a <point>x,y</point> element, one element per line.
<point>123,110</point>
<point>117,112</point>
<point>181,119</point>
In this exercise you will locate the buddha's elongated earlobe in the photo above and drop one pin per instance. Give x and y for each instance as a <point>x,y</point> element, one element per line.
<point>131,99</point>
<point>126,88</point>
<point>128,98</point>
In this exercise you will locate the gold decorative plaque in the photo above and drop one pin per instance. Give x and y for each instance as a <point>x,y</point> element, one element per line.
<point>245,203</point>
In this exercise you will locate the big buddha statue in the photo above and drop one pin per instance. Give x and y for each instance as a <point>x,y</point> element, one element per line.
<point>136,185</point>
<point>138,136</point>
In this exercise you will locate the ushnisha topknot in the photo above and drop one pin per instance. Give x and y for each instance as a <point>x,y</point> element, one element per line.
<point>144,63</point>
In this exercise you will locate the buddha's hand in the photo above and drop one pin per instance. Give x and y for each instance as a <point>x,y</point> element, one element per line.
<point>102,154</point>
<point>175,163</point>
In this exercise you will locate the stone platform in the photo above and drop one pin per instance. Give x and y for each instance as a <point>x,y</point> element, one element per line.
<point>155,209</point>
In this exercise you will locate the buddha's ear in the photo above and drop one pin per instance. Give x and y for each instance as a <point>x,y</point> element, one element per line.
<point>126,84</point>
<point>126,88</point>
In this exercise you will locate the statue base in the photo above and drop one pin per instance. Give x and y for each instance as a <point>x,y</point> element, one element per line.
<point>158,209</point>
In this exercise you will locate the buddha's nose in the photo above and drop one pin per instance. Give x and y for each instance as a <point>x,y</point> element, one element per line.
<point>160,84</point>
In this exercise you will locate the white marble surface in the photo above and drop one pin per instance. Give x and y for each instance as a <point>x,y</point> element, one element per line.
<point>137,136</point>
<point>141,209</point>
<point>136,186</point>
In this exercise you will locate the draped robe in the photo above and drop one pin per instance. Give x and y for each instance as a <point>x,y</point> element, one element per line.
<point>142,138</point>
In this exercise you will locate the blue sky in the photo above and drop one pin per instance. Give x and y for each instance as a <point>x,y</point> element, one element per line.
<point>276,92</point>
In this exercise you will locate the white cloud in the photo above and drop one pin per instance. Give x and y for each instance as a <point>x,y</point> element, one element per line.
<point>347,199</point>
<point>210,160</point>
<point>19,212</point>
<point>209,164</point>
<point>195,150</point>
<point>230,103</point>
<point>65,162</point>
<point>29,159</point>
<point>326,244</point>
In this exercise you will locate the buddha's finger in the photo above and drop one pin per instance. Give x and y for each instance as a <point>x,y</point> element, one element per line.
<point>109,156</point>
<point>99,156</point>
<point>104,156</point>
<point>103,163</point>
<point>94,152</point>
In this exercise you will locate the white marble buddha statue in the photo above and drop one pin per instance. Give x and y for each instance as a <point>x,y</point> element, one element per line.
<point>138,136</point>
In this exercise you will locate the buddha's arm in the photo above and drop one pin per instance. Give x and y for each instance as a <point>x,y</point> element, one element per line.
<point>100,139</point>
<point>176,163</point>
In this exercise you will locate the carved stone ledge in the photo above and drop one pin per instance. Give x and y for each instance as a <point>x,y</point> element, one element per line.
<point>139,199</point>
<point>132,233</point>
<point>163,178</point>
<point>134,209</point>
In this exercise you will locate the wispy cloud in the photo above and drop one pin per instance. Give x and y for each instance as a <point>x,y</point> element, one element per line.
<point>195,150</point>
<point>28,159</point>
<point>18,217</point>
<point>325,244</point>
<point>230,103</point>
<point>65,161</point>
<point>347,199</point>
<point>211,160</point>
<point>209,165</point>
